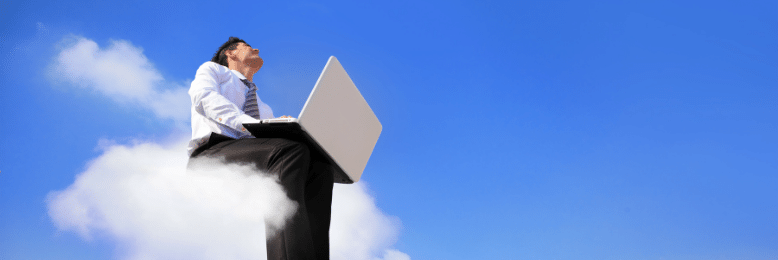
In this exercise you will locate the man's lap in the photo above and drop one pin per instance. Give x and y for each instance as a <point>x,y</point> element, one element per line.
<point>264,153</point>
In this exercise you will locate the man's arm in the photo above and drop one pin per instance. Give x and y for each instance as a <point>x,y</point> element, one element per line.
<point>208,101</point>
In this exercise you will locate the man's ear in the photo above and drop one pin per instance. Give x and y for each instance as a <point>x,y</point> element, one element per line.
<point>230,53</point>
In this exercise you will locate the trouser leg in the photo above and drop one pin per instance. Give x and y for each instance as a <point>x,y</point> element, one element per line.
<point>291,163</point>
<point>309,184</point>
<point>318,201</point>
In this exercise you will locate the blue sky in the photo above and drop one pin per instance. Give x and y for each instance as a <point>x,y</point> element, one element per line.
<point>512,130</point>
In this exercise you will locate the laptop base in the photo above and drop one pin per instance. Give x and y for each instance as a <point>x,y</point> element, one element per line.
<point>293,131</point>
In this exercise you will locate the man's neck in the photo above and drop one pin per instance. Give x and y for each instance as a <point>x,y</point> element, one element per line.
<point>247,71</point>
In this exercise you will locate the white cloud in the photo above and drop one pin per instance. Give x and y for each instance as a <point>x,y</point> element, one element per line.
<point>122,73</point>
<point>392,254</point>
<point>359,230</point>
<point>142,197</point>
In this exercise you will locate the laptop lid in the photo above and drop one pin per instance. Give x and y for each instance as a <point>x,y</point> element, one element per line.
<point>339,119</point>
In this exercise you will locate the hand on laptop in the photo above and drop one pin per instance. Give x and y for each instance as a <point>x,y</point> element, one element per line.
<point>285,117</point>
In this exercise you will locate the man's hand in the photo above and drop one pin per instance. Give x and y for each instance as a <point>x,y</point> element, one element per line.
<point>285,117</point>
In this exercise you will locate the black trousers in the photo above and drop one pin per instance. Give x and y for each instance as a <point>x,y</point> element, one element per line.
<point>307,181</point>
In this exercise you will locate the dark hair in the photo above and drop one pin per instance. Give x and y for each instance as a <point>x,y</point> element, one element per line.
<point>231,44</point>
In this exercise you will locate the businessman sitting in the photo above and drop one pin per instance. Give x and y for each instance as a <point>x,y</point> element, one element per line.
<point>223,98</point>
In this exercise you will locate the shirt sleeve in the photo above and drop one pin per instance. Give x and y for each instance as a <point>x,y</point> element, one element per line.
<point>209,102</point>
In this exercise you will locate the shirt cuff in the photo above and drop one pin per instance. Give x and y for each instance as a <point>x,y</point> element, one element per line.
<point>242,119</point>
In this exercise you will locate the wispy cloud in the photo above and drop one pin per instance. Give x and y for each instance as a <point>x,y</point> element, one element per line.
<point>143,197</point>
<point>121,72</point>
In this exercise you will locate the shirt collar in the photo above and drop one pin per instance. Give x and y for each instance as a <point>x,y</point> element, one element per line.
<point>238,74</point>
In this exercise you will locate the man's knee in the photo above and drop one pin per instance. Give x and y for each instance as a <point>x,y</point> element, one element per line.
<point>288,150</point>
<point>294,147</point>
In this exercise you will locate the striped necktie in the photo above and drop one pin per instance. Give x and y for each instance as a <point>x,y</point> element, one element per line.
<point>250,107</point>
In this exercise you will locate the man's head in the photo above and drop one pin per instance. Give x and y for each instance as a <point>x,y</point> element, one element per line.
<point>237,52</point>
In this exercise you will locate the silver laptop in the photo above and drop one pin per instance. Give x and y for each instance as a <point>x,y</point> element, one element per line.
<point>335,121</point>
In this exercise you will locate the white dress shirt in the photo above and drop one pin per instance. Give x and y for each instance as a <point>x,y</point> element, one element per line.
<point>218,95</point>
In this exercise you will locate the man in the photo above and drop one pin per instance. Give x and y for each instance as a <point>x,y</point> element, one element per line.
<point>223,98</point>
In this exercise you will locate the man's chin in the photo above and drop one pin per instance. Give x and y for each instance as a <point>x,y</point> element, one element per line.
<point>257,64</point>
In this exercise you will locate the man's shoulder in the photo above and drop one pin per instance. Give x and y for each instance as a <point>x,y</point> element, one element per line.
<point>214,70</point>
<point>220,74</point>
<point>210,65</point>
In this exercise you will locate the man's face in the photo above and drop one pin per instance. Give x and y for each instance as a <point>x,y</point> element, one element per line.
<point>245,54</point>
